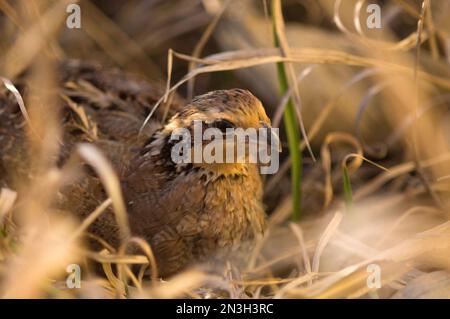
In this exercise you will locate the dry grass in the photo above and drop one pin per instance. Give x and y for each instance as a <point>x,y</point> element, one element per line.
<point>370,102</point>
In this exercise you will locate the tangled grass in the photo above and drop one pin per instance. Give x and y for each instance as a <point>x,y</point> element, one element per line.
<point>372,107</point>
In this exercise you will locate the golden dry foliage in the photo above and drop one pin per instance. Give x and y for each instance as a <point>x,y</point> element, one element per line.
<point>372,100</point>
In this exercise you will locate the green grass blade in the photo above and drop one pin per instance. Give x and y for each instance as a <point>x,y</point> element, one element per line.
<point>348,195</point>
<point>292,132</point>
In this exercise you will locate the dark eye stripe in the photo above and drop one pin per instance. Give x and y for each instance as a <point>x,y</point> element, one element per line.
<point>222,125</point>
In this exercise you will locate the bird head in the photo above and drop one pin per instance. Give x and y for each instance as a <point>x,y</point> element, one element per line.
<point>220,132</point>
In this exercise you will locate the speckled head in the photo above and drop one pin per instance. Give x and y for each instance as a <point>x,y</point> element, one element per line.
<point>237,106</point>
<point>222,110</point>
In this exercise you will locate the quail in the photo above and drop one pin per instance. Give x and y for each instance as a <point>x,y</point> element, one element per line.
<point>188,212</point>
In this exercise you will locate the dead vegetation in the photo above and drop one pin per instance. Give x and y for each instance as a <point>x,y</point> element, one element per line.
<point>374,104</point>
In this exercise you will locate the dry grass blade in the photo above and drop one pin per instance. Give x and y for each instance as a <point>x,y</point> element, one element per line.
<point>257,251</point>
<point>324,239</point>
<point>249,58</point>
<point>356,17</point>
<point>115,42</point>
<point>402,218</point>
<point>367,96</point>
<point>355,284</point>
<point>145,247</point>
<point>179,286</point>
<point>431,240</point>
<point>317,124</point>
<point>294,284</point>
<point>405,44</point>
<point>201,44</point>
<point>285,98</point>
<point>326,159</point>
<point>169,74</point>
<point>10,86</point>
<point>299,234</point>
<point>414,127</point>
<point>111,183</point>
<point>440,100</point>
<point>34,39</point>
<point>286,52</point>
<point>115,258</point>
<point>87,125</point>
<point>7,199</point>
<point>28,271</point>
<point>397,171</point>
<point>10,12</point>
<point>91,218</point>
<point>362,158</point>
<point>430,26</point>
<point>113,280</point>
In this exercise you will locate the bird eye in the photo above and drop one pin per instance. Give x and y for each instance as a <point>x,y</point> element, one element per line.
<point>222,125</point>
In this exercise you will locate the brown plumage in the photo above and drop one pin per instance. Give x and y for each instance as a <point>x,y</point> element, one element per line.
<point>187,212</point>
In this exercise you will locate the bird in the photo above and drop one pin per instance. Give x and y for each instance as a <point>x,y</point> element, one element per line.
<point>187,212</point>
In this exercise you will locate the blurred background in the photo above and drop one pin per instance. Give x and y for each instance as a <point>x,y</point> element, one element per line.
<point>374,103</point>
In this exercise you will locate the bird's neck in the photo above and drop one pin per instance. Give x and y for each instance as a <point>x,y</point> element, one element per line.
<point>157,153</point>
